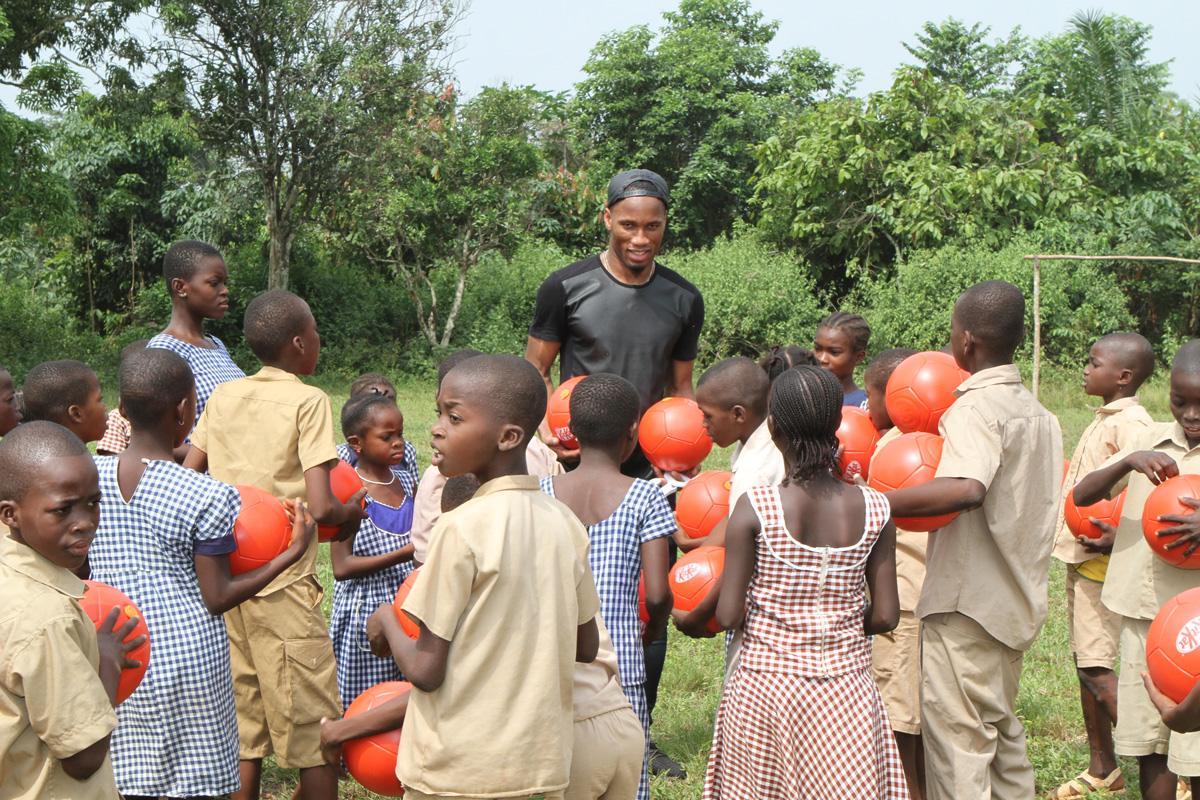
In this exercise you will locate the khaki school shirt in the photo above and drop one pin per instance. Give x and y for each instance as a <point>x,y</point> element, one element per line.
<point>992,563</point>
<point>1139,583</point>
<point>910,548</point>
<point>758,462</point>
<point>267,430</point>
<point>1116,427</point>
<point>507,583</point>
<point>52,704</point>
<point>598,684</point>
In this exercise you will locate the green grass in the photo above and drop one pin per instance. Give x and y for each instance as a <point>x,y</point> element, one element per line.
<point>1049,698</point>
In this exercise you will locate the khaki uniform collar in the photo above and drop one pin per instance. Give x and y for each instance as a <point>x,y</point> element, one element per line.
<point>275,374</point>
<point>1175,435</point>
<point>507,483</point>
<point>1116,405</point>
<point>992,376</point>
<point>24,559</point>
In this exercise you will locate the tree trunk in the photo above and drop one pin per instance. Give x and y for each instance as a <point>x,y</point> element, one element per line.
<point>279,224</point>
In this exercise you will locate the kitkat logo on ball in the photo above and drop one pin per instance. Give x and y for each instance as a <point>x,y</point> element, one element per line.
<point>687,572</point>
<point>1189,637</point>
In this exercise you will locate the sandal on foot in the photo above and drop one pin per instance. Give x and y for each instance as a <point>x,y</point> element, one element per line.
<point>1086,783</point>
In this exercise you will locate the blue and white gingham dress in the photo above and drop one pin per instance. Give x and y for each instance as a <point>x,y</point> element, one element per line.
<point>209,367</point>
<point>355,599</point>
<point>407,470</point>
<point>615,555</point>
<point>177,733</point>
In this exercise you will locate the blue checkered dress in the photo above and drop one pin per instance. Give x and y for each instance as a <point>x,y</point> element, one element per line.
<point>209,367</point>
<point>615,555</point>
<point>177,733</point>
<point>355,599</point>
<point>406,470</point>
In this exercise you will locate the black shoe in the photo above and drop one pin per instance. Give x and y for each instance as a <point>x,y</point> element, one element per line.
<point>663,764</point>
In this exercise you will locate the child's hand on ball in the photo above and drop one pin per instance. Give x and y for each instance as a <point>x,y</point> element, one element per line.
<point>1185,526</point>
<point>1180,717</point>
<point>1104,544</point>
<point>377,630</point>
<point>1156,466</point>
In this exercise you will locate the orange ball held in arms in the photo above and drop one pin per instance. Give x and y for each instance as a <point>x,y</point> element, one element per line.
<point>643,612</point>
<point>558,412</point>
<point>858,437</point>
<point>1173,645</point>
<point>921,389</point>
<point>344,482</point>
<point>371,760</point>
<point>100,598</point>
<point>909,460</point>
<point>703,502</point>
<point>693,577</point>
<point>672,435</point>
<point>411,628</point>
<point>1078,519</point>
<point>262,530</point>
<point>1165,500</point>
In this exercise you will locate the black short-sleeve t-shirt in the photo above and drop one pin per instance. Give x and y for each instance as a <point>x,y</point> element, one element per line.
<point>608,326</point>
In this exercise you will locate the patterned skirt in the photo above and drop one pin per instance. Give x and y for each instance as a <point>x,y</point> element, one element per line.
<point>784,736</point>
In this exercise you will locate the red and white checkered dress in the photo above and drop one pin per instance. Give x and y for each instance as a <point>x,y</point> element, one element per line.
<point>801,717</point>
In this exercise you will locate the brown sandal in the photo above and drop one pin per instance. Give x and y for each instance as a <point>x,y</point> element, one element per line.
<point>1086,783</point>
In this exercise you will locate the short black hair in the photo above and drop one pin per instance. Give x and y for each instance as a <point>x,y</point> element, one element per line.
<point>806,404</point>
<point>26,448</point>
<point>1131,351</point>
<point>994,313</point>
<point>184,258</point>
<point>737,381</point>
<point>133,347</point>
<point>781,357</point>
<point>453,360</point>
<point>369,379</point>
<point>52,387</point>
<point>359,409</point>
<point>1187,358</point>
<point>458,490</point>
<point>153,381</point>
<point>884,364</point>
<point>853,325</point>
<point>603,408</point>
<point>272,320</point>
<point>510,389</point>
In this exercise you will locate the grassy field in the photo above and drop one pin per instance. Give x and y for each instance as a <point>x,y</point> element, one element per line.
<point>690,689</point>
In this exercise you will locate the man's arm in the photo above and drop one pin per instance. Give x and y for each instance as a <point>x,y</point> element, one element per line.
<point>681,380</point>
<point>542,354</point>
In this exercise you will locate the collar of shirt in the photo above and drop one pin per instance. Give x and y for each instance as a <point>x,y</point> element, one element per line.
<point>1175,435</point>
<point>32,564</point>
<point>1116,405</point>
<point>507,483</point>
<point>756,441</point>
<point>274,374</point>
<point>992,376</point>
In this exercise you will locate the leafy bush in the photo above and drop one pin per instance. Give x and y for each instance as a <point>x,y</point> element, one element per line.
<point>34,327</point>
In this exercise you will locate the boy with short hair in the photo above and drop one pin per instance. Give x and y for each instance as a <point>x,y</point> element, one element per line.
<point>272,431</point>
<point>506,605</point>
<point>67,393</point>
<point>1117,366</point>
<point>984,597</point>
<point>58,673</point>
<point>1138,583</point>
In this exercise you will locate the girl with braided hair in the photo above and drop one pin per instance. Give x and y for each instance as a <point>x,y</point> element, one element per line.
<point>840,346</point>
<point>810,572</point>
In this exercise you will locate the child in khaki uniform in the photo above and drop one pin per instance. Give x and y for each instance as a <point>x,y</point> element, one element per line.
<point>506,605</point>
<point>1117,366</point>
<point>896,655</point>
<point>1139,583</point>
<point>984,597</point>
<point>58,674</point>
<point>271,431</point>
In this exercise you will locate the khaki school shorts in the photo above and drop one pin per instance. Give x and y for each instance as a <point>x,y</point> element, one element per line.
<point>1095,631</point>
<point>896,663</point>
<point>284,674</point>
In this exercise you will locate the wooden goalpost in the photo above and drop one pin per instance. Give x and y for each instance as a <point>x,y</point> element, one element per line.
<point>1037,295</point>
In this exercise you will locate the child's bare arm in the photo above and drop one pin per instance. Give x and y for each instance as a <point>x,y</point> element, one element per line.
<point>1095,486</point>
<point>335,733</point>
<point>346,565</point>
<point>883,612</point>
<point>423,662</point>
<point>740,551</point>
<point>1180,717</point>
<point>327,509</point>
<point>655,559</point>
<point>936,497</point>
<point>196,459</point>
<point>587,642</point>
<point>221,590</point>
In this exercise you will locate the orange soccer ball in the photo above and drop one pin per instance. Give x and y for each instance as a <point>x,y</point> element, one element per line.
<point>909,460</point>
<point>558,412</point>
<point>921,389</point>
<point>672,435</point>
<point>262,530</point>
<point>643,612</point>
<point>1165,500</point>
<point>1078,519</point>
<point>693,577</point>
<point>100,598</point>
<point>371,760</point>
<point>703,502</point>
<point>344,482</point>
<point>858,436</point>
<point>1173,645</point>
<point>410,627</point>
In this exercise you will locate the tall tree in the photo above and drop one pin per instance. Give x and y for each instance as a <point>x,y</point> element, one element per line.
<point>286,86</point>
<point>954,53</point>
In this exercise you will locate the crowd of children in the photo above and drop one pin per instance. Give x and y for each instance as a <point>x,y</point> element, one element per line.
<point>862,659</point>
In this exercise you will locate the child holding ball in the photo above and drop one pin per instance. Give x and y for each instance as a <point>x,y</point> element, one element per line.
<point>801,710</point>
<point>370,567</point>
<point>841,345</point>
<point>164,539</point>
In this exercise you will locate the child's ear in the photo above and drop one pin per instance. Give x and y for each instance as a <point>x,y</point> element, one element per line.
<point>1125,377</point>
<point>739,413</point>
<point>355,442</point>
<point>511,437</point>
<point>182,415</point>
<point>178,287</point>
<point>859,355</point>
<point>632,433</point>
<point>8,513</point>
<point>75,414</point>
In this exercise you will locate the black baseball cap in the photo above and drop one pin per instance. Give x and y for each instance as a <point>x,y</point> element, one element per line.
<point>620,187</point>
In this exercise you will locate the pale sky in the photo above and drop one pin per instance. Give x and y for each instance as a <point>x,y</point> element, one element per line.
<point>545,43</point>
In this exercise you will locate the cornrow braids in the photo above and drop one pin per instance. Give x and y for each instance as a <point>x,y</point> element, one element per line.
<point>806,403</point>
<point>358,410</point>
<point>781,357</point>
<point>853,325</point>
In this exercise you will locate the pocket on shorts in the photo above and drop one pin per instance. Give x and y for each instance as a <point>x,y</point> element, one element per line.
<point>310,680</point>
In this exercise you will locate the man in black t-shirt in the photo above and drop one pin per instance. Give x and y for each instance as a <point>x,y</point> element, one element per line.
<point>619,311</point>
